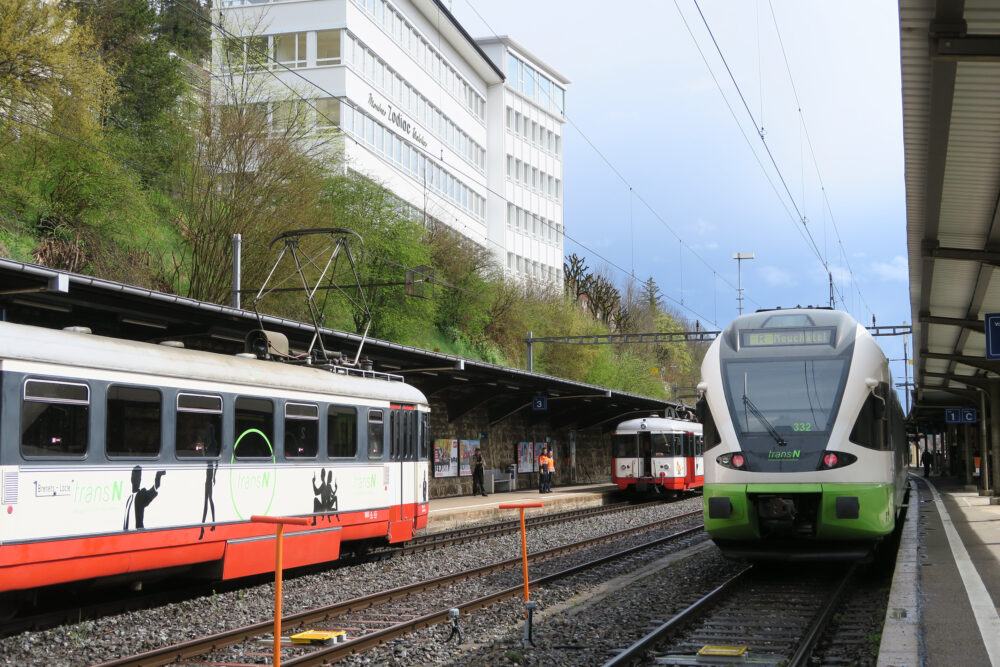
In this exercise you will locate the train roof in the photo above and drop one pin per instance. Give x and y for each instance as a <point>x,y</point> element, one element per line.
<point>657,424</point>
<point>27,343</point>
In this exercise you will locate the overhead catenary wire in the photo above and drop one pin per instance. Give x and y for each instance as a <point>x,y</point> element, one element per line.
<point>799,218</point>
<point>621,177</point>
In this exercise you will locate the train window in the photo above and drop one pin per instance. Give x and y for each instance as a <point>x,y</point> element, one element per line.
<point>425,435</point>
<point>254,428</point>
<point>624,445</point>
<point>870,426</point>
<point>133,421</point>
<point>54,418</point>
<point>710,434</point>
<point>199,423</point>
<point>375,431</point>
<point>395,434</point>
<point>341,432</point>
<point>301,430</point>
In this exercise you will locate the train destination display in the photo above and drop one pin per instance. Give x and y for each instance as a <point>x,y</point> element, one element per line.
<point>780,337</point>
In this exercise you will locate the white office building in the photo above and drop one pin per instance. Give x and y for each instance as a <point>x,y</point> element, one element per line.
<point>426,111</point>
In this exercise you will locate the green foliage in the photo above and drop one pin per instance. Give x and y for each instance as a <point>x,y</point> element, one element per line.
<point>392,244</point>
<point>626,370</point>
<point>185,26</point>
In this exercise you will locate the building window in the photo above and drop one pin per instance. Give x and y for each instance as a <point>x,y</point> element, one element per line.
<point>290,49</point>
<point>328,112</point>
<point>328,47</point>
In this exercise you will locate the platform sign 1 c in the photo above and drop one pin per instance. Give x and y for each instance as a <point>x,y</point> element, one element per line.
<point>961,416</point>
<point>992,335</point>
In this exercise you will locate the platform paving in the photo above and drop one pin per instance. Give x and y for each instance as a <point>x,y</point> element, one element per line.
<point>943,604</point>
<point>456,511</point>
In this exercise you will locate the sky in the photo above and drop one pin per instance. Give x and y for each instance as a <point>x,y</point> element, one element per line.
<point>665,172</point>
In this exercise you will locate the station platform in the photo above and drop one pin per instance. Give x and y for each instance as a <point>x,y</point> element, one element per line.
<point>456,511</point>
<point>943,603</point>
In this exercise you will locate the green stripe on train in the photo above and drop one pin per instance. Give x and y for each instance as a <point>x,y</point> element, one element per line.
<point>876,516</point>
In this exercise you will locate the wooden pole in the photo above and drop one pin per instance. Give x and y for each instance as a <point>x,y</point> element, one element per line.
<point>279,533</point>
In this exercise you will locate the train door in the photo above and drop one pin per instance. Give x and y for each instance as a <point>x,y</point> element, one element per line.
<point>699,457</point>
<point>645,455</point>
<point>680,453</point>
<point>402,453</point>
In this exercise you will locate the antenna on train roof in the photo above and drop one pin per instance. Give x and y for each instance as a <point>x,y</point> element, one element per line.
<point>316,271</point>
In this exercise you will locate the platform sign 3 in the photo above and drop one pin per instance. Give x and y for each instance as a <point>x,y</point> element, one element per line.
<point>960,416</point>
<point>539,403</point>
<point>992,335</point>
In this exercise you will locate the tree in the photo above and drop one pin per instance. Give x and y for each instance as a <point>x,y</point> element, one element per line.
<point>47,57</point>
<point>575,273</point>
<point>185,26</point>
<point>256,168</point>
<point>392,244</point>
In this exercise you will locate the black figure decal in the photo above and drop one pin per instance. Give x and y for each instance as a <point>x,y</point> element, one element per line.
<point>425,487</point>
<point>210,470</point>
<point>141,498</point>
<point>326,495</point>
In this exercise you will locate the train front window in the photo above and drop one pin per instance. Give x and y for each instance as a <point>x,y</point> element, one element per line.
<point>54,418</point>
<point>133,421</point>
<point>624,446</point>
<point>789,396</point>
<point>667,444</point>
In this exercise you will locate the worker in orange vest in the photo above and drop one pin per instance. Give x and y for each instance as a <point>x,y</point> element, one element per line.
<point>545,463</point>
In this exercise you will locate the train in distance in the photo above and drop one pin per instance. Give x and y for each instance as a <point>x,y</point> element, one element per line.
<point>128,461</point>
<point>657,455</point>
<point>805,446</point>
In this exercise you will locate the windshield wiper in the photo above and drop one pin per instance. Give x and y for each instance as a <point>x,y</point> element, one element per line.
<point>763,420</point>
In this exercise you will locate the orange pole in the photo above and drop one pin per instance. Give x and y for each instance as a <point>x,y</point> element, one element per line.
<point>277,595</point>
<point>524,541</point>
<point>280,530</point>
<point>524,555</point>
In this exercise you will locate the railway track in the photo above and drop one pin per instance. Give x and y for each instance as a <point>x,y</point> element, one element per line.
<point>767,616</point>
<point>380,617</point>
<point>57,612</point>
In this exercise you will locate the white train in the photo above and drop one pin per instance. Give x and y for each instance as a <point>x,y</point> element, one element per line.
<point>657,454</point>
<point>805,442</point>
<point>130,460</point>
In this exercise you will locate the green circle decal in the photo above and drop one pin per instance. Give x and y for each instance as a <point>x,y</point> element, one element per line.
<point>257,482</point>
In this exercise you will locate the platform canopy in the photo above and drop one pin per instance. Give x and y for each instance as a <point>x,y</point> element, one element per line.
<point>950,57</point>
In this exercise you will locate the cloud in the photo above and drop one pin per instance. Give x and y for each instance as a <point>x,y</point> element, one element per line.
<point>772,275</point>
<point>896,270</point>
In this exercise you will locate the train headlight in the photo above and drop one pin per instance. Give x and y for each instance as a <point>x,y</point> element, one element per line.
<point>833,460</point>
<point>734,461</point>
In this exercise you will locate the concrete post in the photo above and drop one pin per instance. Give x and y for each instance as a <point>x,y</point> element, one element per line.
<point>994,433</point>
<point>967,456</point>
<point>984,448</point>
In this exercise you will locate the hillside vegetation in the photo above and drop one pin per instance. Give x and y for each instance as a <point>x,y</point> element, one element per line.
<point>123,159</point>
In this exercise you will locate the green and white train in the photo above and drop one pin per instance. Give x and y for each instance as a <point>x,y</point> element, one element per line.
<point>805,448</point>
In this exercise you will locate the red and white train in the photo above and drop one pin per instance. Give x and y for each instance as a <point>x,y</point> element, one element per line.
<point>658,454</point>
<point>128,460</point>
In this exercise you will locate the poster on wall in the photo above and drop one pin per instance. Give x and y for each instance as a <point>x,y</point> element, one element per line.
<point>526,457</point>
<point>445,458</point>
<point>467,449</point>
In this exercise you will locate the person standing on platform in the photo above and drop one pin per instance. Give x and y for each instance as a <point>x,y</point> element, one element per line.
<point>925,460</point>
<point>551,471</point>
<point>477,473</point>
<point>543,470</point>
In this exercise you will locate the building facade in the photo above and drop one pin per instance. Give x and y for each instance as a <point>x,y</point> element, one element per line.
<point>425,110</point>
